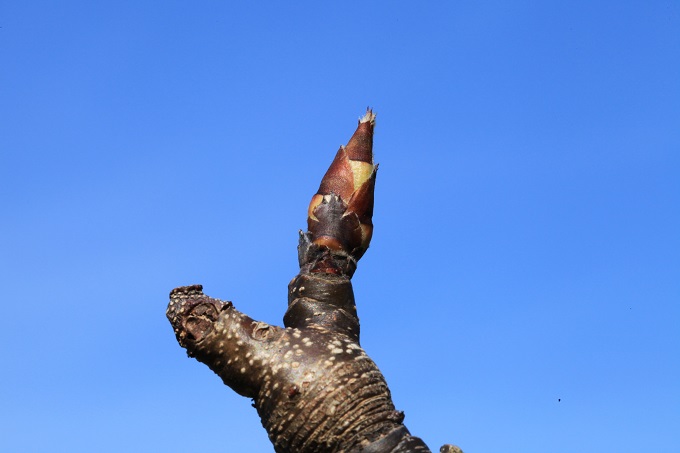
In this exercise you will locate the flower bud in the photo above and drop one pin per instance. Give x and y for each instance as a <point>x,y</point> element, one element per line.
<point>340,214</point>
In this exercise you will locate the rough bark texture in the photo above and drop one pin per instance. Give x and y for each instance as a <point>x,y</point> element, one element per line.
<point>314,387</point>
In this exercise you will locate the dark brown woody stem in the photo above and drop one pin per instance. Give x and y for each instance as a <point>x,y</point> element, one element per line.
<point>314,387</point>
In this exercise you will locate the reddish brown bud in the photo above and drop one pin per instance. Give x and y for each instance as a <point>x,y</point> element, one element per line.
<point>340,214</point>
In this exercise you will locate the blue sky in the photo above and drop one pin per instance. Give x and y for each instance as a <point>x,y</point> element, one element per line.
<point>522,289</point>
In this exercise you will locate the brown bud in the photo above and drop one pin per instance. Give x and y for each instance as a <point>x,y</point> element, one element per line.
<point>340,214</point>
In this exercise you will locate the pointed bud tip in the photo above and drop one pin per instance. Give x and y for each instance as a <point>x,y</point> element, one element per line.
<point>369,117</point>
<point>360,146</point>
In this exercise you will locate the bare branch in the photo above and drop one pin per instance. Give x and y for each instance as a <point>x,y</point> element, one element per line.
<point>314,387</point>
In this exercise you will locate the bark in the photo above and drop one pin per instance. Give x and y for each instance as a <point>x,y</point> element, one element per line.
<point>314,387</point>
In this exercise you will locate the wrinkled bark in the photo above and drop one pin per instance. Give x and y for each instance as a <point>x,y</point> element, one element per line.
<point>314,387</point>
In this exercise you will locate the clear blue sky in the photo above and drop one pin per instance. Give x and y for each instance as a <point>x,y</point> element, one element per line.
<point>522,291</point>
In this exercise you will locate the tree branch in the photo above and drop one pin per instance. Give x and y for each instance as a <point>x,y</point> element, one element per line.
<point>314,387</point>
